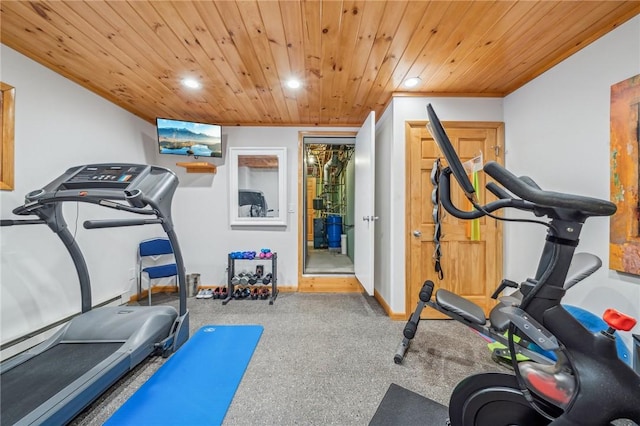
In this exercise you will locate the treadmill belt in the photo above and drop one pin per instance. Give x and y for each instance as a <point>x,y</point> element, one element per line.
<point>28,385</point>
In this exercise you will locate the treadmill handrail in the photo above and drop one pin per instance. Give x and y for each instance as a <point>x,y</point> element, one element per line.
<point>29,207</point>
<point>115,223</point>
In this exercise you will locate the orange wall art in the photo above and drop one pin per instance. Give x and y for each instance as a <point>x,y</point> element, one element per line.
<point>624,237</point>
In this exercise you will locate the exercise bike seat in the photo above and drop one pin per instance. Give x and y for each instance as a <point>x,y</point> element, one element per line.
<point>582,265</point>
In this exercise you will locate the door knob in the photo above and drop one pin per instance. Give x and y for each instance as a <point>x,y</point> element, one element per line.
<point>417,233</point>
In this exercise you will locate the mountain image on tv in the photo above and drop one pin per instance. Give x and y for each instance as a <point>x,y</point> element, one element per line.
<point>188,138</point>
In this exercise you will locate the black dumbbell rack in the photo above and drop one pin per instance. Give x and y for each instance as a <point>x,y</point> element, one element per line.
<point>231,272</point>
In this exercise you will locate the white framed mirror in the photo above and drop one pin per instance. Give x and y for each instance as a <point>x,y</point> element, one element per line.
<point>257,186</point>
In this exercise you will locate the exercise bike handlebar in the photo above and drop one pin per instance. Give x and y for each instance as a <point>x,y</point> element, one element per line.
<point>529,181</point>
<point>501,193</point>
<point>497,191</point>
<point>504,201</point>
<point>526,189</point>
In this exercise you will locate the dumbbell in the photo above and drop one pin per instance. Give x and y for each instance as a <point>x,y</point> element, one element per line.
<point>264,293</point>
<point>255,293</point>
<point>267,278</point>
<point>265,253</point>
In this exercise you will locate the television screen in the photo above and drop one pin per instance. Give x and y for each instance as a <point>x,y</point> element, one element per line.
<point>189,138</point>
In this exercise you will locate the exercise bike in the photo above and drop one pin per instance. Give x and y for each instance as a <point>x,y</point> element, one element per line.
<point>588,384</point>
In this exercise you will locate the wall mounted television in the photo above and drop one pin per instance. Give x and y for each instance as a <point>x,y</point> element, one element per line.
<point>189,138</point>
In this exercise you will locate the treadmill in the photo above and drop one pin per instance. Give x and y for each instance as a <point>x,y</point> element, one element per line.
<point>55,380</point>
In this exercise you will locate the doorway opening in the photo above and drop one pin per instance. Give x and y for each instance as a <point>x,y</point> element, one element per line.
<point>328,204</point>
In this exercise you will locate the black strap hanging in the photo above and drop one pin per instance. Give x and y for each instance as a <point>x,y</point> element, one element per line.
<point>437,218</point>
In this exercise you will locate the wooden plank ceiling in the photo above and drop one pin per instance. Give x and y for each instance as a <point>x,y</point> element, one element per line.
<point>350,55</point>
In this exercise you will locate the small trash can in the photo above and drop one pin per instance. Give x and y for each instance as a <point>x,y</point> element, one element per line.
<point>193,282</point>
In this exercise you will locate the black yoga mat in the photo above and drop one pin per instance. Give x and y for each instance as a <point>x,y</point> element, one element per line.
<point>401,406</point>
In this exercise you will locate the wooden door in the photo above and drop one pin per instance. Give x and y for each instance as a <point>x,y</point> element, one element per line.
<point>472,268</point>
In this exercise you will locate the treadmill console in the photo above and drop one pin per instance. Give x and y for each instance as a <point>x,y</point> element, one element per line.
<point>137,184</point>
<point>117,176</point>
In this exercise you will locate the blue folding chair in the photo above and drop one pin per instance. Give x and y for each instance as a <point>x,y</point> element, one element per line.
<point>152,252</point>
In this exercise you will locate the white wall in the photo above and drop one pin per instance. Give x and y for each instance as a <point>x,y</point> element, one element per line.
<point>201,210</point>
<point>60,124</point>
<point>557,132</point>
<point>391,179</point>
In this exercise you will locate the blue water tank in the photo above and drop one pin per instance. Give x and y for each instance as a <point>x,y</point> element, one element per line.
<point>334,230</point>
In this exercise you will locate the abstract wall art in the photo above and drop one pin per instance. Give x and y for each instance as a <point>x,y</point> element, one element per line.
<point>624,236</point>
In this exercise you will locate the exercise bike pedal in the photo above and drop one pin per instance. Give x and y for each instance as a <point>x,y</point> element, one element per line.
<point>557,387</point>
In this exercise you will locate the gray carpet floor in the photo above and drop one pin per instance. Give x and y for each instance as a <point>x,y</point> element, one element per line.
<point>323,359</point>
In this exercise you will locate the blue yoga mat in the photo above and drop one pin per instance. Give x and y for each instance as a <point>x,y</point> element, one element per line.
<point>196,385</point>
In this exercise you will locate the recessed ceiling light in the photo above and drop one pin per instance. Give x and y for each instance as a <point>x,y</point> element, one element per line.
<point>412,82</point>
<point>293,83</point>
<point>191,83</point>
